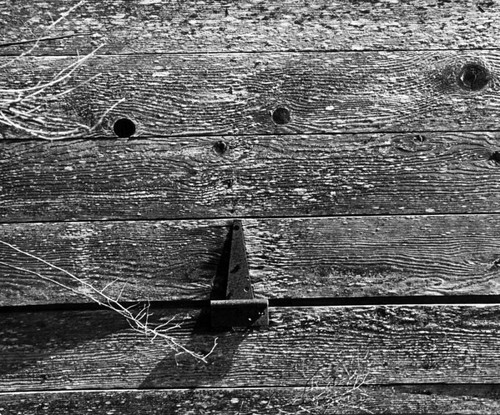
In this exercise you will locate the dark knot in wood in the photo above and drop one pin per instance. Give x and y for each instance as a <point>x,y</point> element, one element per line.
<point>124,128</point>
<point>281,115</point>
<point>473,77</point>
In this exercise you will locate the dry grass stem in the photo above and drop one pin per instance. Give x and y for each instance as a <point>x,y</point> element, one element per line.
<point>327,393</point>
<point>138,321</point>
<point>21,108</point>
<point>41,37</point>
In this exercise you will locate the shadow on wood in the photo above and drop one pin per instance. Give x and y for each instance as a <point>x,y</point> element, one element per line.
<point>30,340</point>
<point>219,363</point>
<point>184,369</point>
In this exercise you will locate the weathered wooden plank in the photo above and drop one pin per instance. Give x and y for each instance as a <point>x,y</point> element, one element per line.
<point>316,257</point>
<point>154,260</point>
<point>321,345</point>
<point>197,26</point>
<point>203,177</point>
<point>404,400</point>
<point>210,94</point>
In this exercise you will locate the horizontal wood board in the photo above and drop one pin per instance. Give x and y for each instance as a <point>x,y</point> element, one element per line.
<point>404,400</point>
<point>154,26</point>
<point>209,177</point>
<point>211,94</point>
<point>388,345</point>
<point>288,258</point>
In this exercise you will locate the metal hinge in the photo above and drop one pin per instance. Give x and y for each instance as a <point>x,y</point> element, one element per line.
<point>240,309</point>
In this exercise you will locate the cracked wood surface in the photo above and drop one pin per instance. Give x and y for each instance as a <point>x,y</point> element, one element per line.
<point>158,26</point>
<point>295,257</point>
<point>210,177</point>
<point>213,94</point>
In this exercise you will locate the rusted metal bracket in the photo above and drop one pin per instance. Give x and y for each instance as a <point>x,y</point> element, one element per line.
<point>240,308</point>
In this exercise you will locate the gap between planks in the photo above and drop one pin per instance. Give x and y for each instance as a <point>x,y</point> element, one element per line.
<point>249,217</point>
<point>340,302</point>
<point>250,52</point>
<point>233,388</point>
<point>144,137</point>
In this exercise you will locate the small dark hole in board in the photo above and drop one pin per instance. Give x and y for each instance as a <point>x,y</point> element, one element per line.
<point>220,147</point>
<point>124,128</point>
<point>281,115</point>
<point>495,156</point>
<point>235,269</point>
<point>473,77</point>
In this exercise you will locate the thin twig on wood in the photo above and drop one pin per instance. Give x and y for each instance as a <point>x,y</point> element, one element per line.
<point>40,38</point>
<point>139,322</point>
<point>20,107</point>
<point>322,393</point>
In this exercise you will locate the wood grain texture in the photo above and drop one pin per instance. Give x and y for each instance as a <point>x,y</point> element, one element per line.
<point>390,345</point>
<point>379,125</point>
<point>209,177</point>
<point>211,94</point>
<point>217,26</point>
<point>317,257</point>
<point>404,400</point>
<point>154,260</point>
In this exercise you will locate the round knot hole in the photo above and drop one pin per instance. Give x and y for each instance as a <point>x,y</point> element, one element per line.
<point>473,77</point>
<point>220,147</point>
<point>124,128</point>
<point>281,115</point>
<point>495,157</point>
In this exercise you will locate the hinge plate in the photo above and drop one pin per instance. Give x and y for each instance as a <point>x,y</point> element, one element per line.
<point>240,309</point>
<point>240,313</point>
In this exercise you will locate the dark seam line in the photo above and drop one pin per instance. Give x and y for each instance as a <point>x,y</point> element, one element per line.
<point>275,302</point>
<point>248,217</point>
<point>229,388</point>
<point>265,52</point>
<point>42,39</point>
<point>256,135</point>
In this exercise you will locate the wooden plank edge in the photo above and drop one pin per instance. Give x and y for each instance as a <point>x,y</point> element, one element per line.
<point>403,399</point>
<point>260,176</point>
<point>155,26</point>
<point>260,93</point>
<point>302,346</point>
<point>332,257</point>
